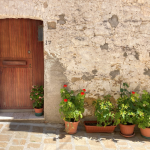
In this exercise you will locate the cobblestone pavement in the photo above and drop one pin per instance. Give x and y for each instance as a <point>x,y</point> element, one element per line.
<point>23,136</point>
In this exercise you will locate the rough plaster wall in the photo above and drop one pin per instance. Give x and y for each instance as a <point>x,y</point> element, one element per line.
<point>89,44</point>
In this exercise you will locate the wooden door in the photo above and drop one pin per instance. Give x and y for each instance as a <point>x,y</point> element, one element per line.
<point>21,62</point>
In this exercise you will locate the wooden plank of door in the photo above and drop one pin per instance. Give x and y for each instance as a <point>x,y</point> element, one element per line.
<point>17,84</point>
<point>4,49</point>
<point>23,87</point>
<point>19,30</point>
<point>7,85</point>
<point>4,37</point>
<point>38,56</point>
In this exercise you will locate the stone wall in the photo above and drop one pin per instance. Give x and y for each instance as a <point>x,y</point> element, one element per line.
<point>92,44</point>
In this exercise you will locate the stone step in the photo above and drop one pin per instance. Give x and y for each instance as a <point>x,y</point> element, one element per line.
<point>21,117</point>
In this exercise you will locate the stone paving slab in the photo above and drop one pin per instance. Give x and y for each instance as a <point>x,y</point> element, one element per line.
<point>19,116</point>
<point>30,136</point>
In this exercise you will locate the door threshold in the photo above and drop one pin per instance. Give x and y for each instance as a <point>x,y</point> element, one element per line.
<point>20,116</point>
<point>15,110</point>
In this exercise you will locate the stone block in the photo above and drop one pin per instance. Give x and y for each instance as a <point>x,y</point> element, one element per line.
<point>94,143</point>
<point>139,148</point>
<point>1,125</point>
<point>33,145</point>
<point>35,138</point>
<point>50,140</point>
<point>37,130</point>
<point>95,147</point>
<point>109,143</point>
<point>65,146</point>
<point>49,134</point>
<point>51,129</point>
<point>5,137</point>
<point>7,131</point>
<point>18,142</point>
<point>16,148</point>
<point>3,144</point>
<point>79,141</point>
<point>122,143</point>
<point>81,148</point>
<point>51,25</point>
<point>21,135</point>
<point>50,147</point>
<point>10,126</point>
<point>64,138</point>
<point>125,148</point>
<point>23,128</point>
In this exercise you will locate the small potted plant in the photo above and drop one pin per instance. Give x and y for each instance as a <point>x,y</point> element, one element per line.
<point>105,113</point>
<point>127,111</point>
<point>37,95</point>
<point>71,108</point>
<point>143,112</point>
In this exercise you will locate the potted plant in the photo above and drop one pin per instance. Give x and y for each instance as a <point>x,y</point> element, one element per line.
<point>127,111</point>
<point>105,113</point>
<point>143,112</point>
<point>37,95</point>
<point>71,108</point>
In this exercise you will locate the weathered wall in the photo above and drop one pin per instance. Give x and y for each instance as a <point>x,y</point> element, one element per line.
<point>89,44</point>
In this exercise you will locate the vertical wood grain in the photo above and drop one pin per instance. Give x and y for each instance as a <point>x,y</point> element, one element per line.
<point>20,41</point>
<point>38,56</point>
<point>17,37</point>
<point>4,37</point>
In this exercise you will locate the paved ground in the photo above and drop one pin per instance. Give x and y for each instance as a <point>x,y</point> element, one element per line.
<point>20,136</point>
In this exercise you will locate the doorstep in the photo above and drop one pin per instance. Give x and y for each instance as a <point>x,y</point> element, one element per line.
<point>21,116</point>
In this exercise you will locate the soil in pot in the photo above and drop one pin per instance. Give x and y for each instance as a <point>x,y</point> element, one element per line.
<point>91,127</point>
<point>71,127</point>
<point>38,111</point>
<point>95,124</point>
<point>71,120</point>
<point>127,129</point>
<point>145,133</point>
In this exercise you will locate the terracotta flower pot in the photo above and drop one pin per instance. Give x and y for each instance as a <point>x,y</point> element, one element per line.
<point>145,132</point>
<point>127,129</point>
<point>93,129</point>
<point>71,127</point>
<point>38,111</point>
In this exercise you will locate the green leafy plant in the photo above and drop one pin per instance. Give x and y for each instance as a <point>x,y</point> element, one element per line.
<point>37,95</point>
<point>126,106</point>
<point>105,111</point>
<point>71,106</point>
<point>143,111</point>
<point>124,91</point>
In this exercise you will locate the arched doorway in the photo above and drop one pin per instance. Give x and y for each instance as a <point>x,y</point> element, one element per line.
<point>21,62</point>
